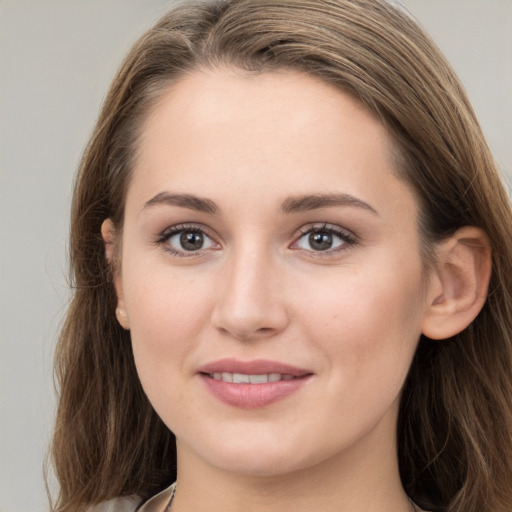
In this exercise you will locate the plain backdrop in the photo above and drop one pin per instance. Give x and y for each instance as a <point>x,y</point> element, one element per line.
<point>56,60</point>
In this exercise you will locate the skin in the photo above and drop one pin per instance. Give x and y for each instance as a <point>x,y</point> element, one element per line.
<point>351,315</point>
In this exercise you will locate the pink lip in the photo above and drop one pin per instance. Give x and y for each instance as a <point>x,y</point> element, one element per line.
<point>252,396</point>
<point>255,367</point>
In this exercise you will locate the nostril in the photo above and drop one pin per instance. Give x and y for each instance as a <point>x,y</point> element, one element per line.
<point>246,333</point>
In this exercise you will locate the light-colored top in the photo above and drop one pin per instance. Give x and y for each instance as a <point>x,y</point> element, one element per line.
<point>158,503</point>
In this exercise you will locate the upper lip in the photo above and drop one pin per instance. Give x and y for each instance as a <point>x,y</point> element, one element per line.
<point>254,367</point>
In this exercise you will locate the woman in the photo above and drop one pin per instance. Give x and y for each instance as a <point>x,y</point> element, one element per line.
<point>282,237</point>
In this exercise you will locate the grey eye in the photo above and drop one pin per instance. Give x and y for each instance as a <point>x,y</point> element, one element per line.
<point>190,240</point>
<point>320,240</point>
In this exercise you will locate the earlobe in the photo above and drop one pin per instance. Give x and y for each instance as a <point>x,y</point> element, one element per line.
<point>108,233</point>
<point>458,284</point>
<point>122,315</point>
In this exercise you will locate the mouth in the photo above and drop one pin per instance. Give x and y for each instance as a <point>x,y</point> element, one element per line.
<point>258,371</point>
<point>244,378</point>
<point>252,384</point>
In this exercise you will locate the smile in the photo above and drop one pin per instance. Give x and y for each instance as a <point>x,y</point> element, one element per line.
<point>252,384</point>
<point>243,378</point>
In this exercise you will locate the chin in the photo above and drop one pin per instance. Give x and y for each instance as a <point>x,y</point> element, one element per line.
<point>258,458</point>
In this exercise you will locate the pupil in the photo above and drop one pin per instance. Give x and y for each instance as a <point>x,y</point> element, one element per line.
<point>320,241</point>
<point>191,241</point>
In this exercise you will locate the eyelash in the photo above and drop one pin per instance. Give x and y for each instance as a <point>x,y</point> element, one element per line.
<point>347,238</point>
<point>169,232</point>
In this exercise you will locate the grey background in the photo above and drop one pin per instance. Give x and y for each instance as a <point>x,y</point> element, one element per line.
<point>56,61</point>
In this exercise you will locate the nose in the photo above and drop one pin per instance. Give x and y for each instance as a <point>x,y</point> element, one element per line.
<point>251,301</point>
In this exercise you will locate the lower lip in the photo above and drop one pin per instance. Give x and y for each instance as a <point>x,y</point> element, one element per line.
<point>252,396</point>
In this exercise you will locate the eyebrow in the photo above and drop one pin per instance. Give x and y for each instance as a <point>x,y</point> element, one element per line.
<point>315,201</point>
<point>184,201</point>
<point>290,205</point>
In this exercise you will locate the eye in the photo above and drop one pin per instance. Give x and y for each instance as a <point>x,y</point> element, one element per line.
<point>325,238</point>
<point>183,240</point>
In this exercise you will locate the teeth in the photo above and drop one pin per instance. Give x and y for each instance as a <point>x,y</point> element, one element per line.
<point>258,379</point>
<point>242,378</point>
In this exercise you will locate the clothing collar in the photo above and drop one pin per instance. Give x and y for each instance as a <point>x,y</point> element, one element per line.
<point>159,502</point>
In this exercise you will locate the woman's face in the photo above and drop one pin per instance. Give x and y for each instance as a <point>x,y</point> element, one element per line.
<point>268,239</point>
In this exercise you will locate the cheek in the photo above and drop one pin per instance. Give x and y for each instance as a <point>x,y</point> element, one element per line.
<point>167,312</point>
<point>367,316</point>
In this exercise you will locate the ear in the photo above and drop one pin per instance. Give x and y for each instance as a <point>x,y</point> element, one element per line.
<point>459,283</point>
<point>108,232</point>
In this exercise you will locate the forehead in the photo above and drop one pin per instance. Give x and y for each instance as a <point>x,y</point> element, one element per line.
<point>293,133</point>
<point>257,103</point>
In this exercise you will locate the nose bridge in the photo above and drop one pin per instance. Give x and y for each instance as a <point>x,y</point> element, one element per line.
<point>251,303</point>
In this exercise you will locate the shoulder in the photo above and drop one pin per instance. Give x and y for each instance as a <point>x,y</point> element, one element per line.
<point>127,504</point>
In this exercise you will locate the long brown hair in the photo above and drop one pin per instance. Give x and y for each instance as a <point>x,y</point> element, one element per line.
<point>455,422</point>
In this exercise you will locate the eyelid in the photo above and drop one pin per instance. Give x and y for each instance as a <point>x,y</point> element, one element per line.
<point>173,230</point>
<point>349,238</point>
